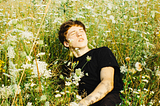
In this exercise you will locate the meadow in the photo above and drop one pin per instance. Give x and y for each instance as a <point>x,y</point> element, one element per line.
<point>31,55</point>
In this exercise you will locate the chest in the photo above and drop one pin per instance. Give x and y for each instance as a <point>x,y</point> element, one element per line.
<point>90,68</point>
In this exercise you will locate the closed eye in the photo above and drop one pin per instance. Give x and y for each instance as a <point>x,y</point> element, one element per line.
<point>73,33</point>
<point>81,30</point>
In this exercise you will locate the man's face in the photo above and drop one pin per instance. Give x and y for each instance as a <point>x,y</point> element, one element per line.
<point>76,37</point>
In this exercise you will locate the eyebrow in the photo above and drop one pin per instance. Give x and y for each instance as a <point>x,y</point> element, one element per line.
<point>74,31</point>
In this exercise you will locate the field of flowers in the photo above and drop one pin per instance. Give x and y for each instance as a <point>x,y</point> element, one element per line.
<point>31,55</point>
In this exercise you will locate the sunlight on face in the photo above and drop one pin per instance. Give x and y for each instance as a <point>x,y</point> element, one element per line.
<point>76,37</point>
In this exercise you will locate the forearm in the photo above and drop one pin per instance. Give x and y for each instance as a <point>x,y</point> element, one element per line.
<point>100,92</point>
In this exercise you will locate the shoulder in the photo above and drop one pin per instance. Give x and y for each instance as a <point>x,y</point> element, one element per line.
<point>102,50</point>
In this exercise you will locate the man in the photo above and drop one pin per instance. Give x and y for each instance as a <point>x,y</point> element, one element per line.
<point>101,82</point>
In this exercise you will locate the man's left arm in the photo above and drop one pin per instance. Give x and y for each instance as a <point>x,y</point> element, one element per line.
<point>104,87</point>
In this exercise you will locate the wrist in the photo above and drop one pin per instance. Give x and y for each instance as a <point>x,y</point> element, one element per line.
<point>83,103</point>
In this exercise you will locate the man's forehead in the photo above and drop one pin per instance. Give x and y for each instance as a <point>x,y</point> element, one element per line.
<point>73,28</point>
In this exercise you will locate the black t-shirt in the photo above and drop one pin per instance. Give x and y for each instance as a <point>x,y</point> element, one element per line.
<point>100,57</point>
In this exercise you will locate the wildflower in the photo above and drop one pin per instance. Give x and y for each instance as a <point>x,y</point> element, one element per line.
<point>47,103</point>
<point>41,54</point>
<point>145,89</point>
<point>78,97</point>
<point>47,74</point>
<point>158,73</point>
<point>125,16</point>
<point>29,58</point>
<point>153,14</point>
<point>123,69</point>
<point>43,97</point>
<point>138,96</point>
<point>143,76</point>
<point>80,16</point>
<point>68,83</point>
<point>27,86</point>
<point>16,88</point>
<point>6,91</point>
<point>13,21</point>
<point>76,49</point>
<point>127,59</point>
<point>108,12</point>
<point>69,63</point>
<point>19,26</point>
<point>76,82</point>
<point>148,44</point>
<point>29,104</point>
<point>11,53</point>
<point>26,66</point>
<point>57,91</point>
<point>7,75</point>
<point>58,95</point>
<point>135,91</point>
<point>130,89</point>
<point>111,17</point>
<point>138,66</point>
<point>131,29</point>
<point>86,74</point>
<point>40,42</point>
<point>62,93</point>
<point>61,76</point>
<point>146,76</point>
<point>78,71</point>
<point>152,102</point>
<point>70,40</point>
<point>88,58</point>
<point>78,74</point>
<point>32,84</point>
<point>110,6</point>
<point>122,91</point>
<point>27,35</point>
<point>23,53</point>
<point>42,68</point>
<point>67,91</point>
<point>128,102</point>
<point>27,96</point>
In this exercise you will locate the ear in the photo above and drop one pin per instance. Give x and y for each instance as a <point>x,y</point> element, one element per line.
<point>66,44</point>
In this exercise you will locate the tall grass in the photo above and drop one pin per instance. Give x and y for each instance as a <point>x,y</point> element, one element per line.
<point>31,54</point>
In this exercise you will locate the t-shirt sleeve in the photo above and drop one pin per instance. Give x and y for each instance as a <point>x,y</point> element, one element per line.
<point>106,58</point>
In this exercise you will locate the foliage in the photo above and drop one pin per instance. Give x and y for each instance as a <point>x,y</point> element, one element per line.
<point>31,54</point>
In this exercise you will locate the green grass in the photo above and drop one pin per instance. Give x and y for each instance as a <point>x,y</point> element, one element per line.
<point>29,27</point>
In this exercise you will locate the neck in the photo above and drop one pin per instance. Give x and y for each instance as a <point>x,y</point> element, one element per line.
<point>80,51</point>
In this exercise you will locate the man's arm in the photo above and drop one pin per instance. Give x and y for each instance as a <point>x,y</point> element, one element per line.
<point>104,87</point>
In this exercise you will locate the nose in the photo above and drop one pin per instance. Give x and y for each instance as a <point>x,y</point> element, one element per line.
<point>79,34</point>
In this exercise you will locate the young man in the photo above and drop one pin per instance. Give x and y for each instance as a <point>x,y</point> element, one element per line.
<point>101,82</point>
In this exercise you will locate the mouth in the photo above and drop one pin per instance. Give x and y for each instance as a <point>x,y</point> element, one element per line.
<point>81,40</point>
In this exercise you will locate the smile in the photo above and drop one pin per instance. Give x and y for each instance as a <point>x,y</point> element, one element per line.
<point>81,40</point>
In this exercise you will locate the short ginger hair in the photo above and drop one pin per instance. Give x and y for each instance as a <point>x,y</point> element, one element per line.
<point>65,27</point>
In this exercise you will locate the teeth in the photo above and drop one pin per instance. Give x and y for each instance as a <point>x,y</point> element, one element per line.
<point>80,40</point>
